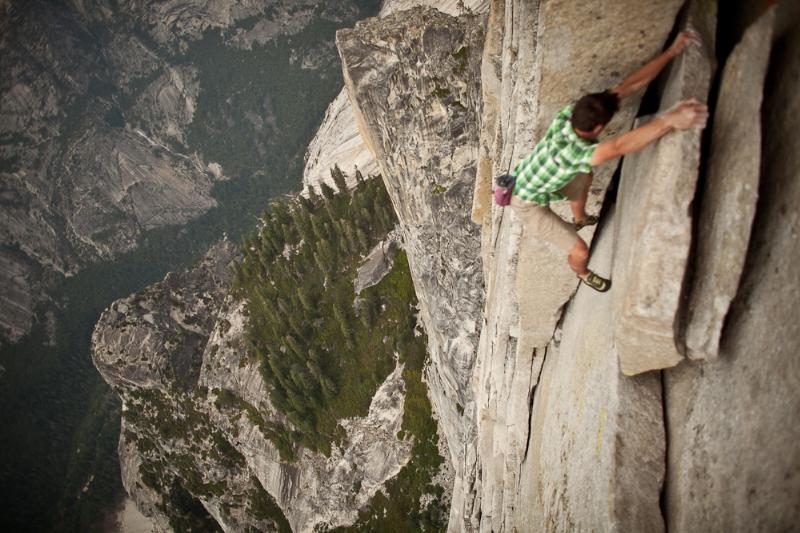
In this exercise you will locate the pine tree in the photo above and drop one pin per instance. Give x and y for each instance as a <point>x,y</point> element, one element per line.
<point>305,299</point>
<point>318,228</point>
<point>339,179</point>
<point>327,192</point>
<point>342,320</point>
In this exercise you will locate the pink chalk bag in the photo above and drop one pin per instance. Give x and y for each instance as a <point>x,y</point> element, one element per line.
<point>503,187</point>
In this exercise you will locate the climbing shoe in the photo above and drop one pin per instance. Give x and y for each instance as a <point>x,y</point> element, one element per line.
<point>596,282</point>
<point>591,220</point>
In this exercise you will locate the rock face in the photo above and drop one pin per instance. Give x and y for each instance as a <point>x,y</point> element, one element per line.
<point>412,79</point>
<point>731,189</point>
<point>733,459</point>
<point>535,48</point>
<point>595,455</point>
<point>176,352</point>
<point>338,141</point>
<point>562,439</point>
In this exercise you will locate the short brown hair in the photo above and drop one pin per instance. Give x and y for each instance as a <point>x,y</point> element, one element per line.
<point>593,110</point>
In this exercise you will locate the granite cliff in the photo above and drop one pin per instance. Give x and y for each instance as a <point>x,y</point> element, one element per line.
<point>555,435</point>
<point>664,405</point>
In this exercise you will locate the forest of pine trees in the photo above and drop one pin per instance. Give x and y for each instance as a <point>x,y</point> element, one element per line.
<point>320,360</point>
<point>323,361</point>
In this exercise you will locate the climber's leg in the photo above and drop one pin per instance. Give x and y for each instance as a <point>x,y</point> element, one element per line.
<point>579,257</point>
<point>577,192</point>
<point>540,222</point>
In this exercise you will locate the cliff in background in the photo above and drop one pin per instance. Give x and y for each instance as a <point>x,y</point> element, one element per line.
<point>338,141</point>
<point>97,120</point>
<point>666,404</point>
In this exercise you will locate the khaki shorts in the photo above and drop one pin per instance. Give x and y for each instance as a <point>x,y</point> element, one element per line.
<point>541,221</point>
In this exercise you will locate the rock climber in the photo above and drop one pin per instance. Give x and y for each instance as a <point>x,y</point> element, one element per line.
<point>560,166</point>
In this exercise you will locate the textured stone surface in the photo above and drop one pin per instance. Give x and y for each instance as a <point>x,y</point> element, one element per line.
<point>412,79</point>
<point>128,184</point>
<point>734,463</point>
<point>338,141</point>
<point>377,264</point>
<point>595,460</point>
<point>146,499</point>
<point>136,339</point>
<point>451,7</point>
<point>528,282</point>
<point>655,191</point>
<point>731,189</point>
<point>149,348</point>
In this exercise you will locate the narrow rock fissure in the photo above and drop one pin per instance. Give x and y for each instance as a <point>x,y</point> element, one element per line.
<point>662,497</point>
<point>531,396</point>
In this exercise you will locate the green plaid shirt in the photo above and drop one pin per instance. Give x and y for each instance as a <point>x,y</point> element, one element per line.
<point>555,161</point>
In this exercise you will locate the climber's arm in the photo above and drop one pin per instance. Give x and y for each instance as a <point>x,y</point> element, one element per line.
<point>686,114</point>
<point>642,77</point>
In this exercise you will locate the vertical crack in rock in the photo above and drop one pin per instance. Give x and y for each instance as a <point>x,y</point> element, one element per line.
<point>531,396</point>
<point>663,494</point>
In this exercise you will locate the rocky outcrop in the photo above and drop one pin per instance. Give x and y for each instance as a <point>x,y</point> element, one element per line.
<point>728,200</point>
<point>196,414</point>
<point>337,143</point>
<point>377,264</point>
<point>314,490</point>
<point>412,79</point>
<point>338,140</point>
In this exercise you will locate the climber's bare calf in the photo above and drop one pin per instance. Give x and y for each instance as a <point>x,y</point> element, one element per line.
<point>578,258</point>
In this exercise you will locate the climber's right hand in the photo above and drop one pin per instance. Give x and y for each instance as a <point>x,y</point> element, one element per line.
<point>687,114</point>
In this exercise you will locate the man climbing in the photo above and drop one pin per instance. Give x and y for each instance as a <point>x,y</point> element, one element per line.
<point>560,166</point>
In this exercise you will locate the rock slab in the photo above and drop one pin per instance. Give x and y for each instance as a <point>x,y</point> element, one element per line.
<point>656,189</point>
<point>731,189</point>
<point>527,282</point>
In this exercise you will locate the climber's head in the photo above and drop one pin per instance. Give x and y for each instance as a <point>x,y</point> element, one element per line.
<point>593,111</point>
